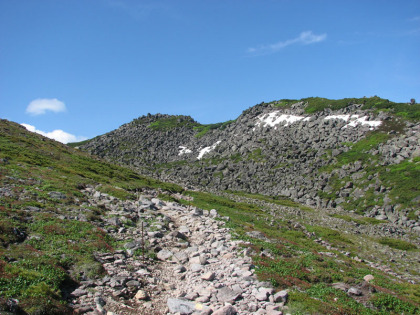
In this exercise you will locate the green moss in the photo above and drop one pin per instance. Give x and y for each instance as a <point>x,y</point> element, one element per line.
<point>397,244</point>
<point>400,178</point>
<point>80,143</point>
<point>403,178</point>
<point>316,104</point>
<point>389,304</point>
<point>279,200</point>
<point>360,150</point>
<point>284,103</point>
<point>257,156</point>
<point>117,192</point>
<point>330,235</point>
<point>364,220</point>
<point>172,122</point>
<point>204,129</point>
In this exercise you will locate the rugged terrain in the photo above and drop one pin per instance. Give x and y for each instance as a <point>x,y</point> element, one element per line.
<point>81,235</point>
<point>361,155</point>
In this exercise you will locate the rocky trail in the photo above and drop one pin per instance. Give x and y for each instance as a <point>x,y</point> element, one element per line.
<point>190,265</point>
<point>201,270</point>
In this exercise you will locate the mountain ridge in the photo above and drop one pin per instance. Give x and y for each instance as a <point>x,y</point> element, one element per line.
<point>319,152</point>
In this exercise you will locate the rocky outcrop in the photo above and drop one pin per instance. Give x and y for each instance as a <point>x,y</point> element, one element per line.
<point>273,151</point>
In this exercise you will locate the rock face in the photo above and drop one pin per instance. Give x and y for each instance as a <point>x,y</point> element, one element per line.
<point>270,150</point>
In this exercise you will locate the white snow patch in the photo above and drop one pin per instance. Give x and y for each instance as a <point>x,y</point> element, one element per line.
<point>342,117</point>
<point>363,121</point>
<point>183,150</point>
<point>207,150</point>
<point>355,120</point>
<point>275,118</point>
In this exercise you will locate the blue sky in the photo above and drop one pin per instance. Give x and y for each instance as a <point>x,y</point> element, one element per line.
<point>85,67</point>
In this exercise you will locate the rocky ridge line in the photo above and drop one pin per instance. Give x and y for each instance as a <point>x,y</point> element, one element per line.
<point>282,156</point>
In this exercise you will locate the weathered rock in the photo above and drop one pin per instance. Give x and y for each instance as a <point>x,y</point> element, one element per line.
<point>141,295</point>
<point>183,306</point>
<point>79,292</point>
<point>164,254</point>
<point>114,221</point>
<point>368,278</point>
<point>227,310</point>
<point>354,291</point>
<point>226,294</point>
<point>209,276</point>
<point>57,195</point>
<point>281,296</point>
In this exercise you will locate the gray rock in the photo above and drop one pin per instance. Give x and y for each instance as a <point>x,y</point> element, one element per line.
<point>281,296</point>
<point>202,260</point>
<point>78,292</point>
<point>381,217</point>
<point>416,228</point>
<point>181,306</point>
<point>177,234</point>
<point>184,229</point>
<point>209,276</point>
<point>181,256</point>
<point>261,296</point>
<point>355,291</point>
<point>133,283</point>
<point>133,245</point>
<point>197,212</point>
<point>99,301</point>
<point>164,254</point>
<point>340,286</point>
<point>196,267</point>
<point>179,269</point>
<point>256,234</point>
<point>226,294</point>
<point>226,310</point>
<point>114,221</point>
<point>57,195</point>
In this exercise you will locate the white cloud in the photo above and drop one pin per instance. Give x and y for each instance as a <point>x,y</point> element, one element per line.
<point>41,105</point>
<point>305,38</point>
<point>58,134</point>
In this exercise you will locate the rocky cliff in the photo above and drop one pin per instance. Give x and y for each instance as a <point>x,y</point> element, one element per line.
<point>353,155</point>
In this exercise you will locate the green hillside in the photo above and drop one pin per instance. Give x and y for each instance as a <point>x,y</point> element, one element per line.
<point>46,249</point>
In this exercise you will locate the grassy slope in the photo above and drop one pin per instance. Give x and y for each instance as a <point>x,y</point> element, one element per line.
<point>296,262</point>
<point>31,167</point>
<point>33,271</point>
